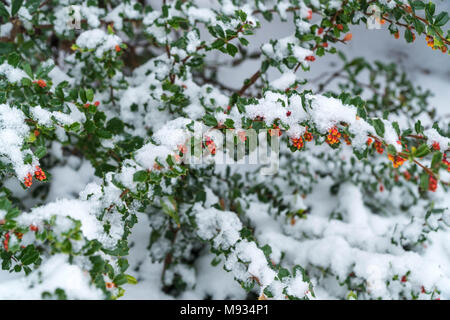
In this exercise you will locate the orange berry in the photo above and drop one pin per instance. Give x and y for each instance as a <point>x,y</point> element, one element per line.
<point>340,27</point>
<point>432,184</point>
<point>41,83</point>
<point>407,175</point>
<point>117,48</point>
<point>308,136</point>
<point>297,143</point>
<point>40,175</point>
<point>348,37</point>
<point>28,181</point>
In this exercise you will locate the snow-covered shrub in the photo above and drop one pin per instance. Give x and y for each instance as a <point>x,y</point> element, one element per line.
<point>101,103</point>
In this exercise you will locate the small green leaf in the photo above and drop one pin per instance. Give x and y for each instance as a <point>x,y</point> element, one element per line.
<point>40,152</point>
<point>378,124</point>
<point>441,19</point>
<point>140,176</point>
<point>89,94</point>
<point>15,7</point>
<point>210,120</point>
<point>231,49</point>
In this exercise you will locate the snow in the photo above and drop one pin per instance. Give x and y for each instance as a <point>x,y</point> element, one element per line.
<point>98,40</point>
<point>373,235</point>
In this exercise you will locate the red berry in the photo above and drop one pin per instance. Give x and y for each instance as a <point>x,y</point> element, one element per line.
<point>33,228</point>
<point>96,103</point>
<point>436,146</point>
<point>288,114</point>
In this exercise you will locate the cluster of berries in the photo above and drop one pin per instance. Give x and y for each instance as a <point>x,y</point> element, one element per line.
<point>6,241</point>
<point>407,175</point>
<point>96,103</point>
<point>436,146</point>
<point>308,135</point>
<point>274,131</point>
<point>333,136</point>
<point>379,147</point>
<point>210,145</point>
<point>347,139</point>
<point>435,45</point>
<point>446,162</point>
<point>41,83</point>
<point>39,174</point>
<point>432,183</point>
<point>397,161</point>
<point>298,143</point>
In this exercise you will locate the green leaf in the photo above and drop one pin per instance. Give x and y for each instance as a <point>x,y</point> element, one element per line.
<point>418,127</point>
<point>243,41</point>
<point>424,178</point>
<point>12,213</point>
<point>89,94</point>
<point>27,69</point>
<point>13,59</point>
<point>218,44</point>
<point>378,124</point>
<point>15,7</point>
<point>170,212</point>
<point>418,5</point>
<point>436,160</point>
<point>131,279</point>
<point>229,123</point>
<point>40,152</point>
<point>283,273</point>
<point>409,36</point>
<point>115,125</point>
<point>6,47</point>
<point>419,26</point>
<point>441,19</point>
<point>140,176</point>
<point>120,280</point>
<point>29,255</point>
<point>83,97</point>
<point>210,120</point>
<point>3,12</point>
<point>422,150</point>
<point>231,49</point>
